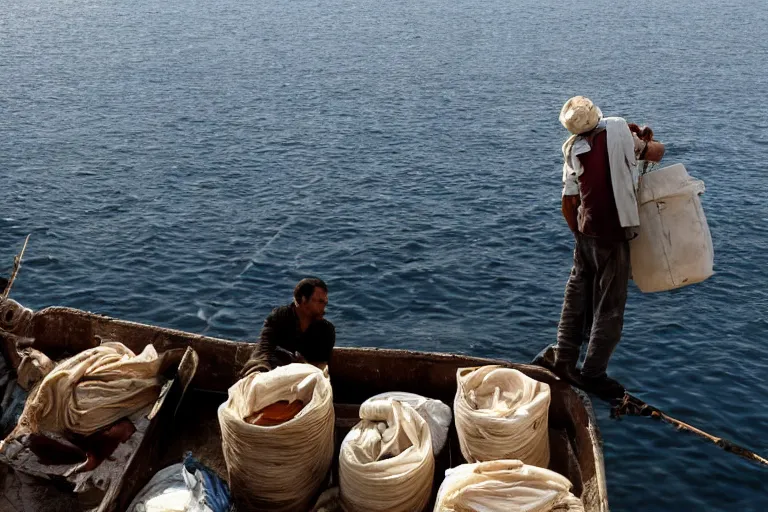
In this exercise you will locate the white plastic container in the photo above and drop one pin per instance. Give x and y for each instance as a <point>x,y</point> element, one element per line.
<point>674,245</point>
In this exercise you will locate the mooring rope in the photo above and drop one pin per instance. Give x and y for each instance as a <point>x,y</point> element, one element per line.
<point>16,267</point>
<point>633,406</point>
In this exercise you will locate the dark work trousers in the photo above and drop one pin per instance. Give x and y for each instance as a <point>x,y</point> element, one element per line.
<point>593,308</point>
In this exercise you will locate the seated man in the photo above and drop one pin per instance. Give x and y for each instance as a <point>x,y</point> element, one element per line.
<point>296,333</point>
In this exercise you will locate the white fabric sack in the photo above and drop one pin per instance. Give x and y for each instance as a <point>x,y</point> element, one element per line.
<point>503,486</point>
<point>437,414</point>
<point>386,462</point>
<point>33,368</point>
<point>93,389</point>
<point>278,468</point>
<point>502,414</point>
<point>674,246</point>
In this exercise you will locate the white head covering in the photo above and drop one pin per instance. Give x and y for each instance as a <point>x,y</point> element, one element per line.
<point>579,115</point>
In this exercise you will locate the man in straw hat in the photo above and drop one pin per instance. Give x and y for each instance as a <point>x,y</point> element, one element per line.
<point>600,206</point>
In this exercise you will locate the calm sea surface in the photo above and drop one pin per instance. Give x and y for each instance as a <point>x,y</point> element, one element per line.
<point>184,163</point>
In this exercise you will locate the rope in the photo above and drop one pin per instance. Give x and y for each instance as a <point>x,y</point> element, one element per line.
<point>633,406</point>
<point>16,267</point>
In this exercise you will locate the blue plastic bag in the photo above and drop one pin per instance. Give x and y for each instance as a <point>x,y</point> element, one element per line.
<point>206,486</point>
<point>186,487</point>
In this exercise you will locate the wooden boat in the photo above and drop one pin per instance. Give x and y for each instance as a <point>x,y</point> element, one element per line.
<point>185,417</point>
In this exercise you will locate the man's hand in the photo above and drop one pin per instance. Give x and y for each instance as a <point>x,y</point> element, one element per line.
<point>646,147</point>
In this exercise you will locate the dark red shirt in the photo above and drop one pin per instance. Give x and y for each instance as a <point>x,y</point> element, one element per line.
<point>598,216</point>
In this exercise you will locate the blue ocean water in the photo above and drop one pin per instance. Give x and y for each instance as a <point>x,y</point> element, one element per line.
<point>184,163</point>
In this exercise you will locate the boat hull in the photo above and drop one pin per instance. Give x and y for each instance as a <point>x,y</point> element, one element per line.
<point>356,374</point>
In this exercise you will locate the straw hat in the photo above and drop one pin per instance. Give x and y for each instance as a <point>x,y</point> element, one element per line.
<point>579,115</point>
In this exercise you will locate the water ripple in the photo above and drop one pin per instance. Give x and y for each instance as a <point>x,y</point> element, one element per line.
<point>186,167</point>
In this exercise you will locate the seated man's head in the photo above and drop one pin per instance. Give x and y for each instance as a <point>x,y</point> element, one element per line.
<point>311,297</point>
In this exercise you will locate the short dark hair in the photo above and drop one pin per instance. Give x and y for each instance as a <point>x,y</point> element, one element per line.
<point>306,288</point>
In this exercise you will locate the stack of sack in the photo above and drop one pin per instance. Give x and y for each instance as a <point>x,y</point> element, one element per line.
<point>94,389</point>
<point>437,415</point>
<point>504,485</point>
<point>85,416</point>
<point>502,421</point>
<point>674,245</point>
<point>386,462</point>
<point>502,413</point>
<point>277,433</point>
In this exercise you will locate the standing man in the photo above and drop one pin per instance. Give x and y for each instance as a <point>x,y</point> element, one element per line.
<point>600,206</point>
<point>297,332</point>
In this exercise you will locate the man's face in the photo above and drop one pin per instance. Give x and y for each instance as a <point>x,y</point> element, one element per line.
<point>315,305</point>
